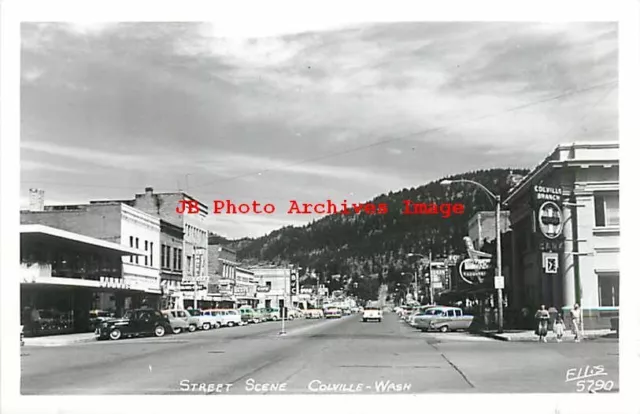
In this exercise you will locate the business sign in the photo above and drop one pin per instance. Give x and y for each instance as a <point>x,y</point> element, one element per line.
<point>550,263</point>
<point>548,205</point>
<point>240,290</point>
<point>474,272</point>
<point>114,283</point>
<point>263,289</point>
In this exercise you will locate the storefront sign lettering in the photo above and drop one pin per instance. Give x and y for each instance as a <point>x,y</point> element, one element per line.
<point>474,272</point>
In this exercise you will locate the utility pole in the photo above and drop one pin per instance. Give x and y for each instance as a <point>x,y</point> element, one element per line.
<point>431,299</point>
<point>499,263</point>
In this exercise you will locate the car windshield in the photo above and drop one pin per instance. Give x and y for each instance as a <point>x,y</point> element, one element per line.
<point>128,315</point>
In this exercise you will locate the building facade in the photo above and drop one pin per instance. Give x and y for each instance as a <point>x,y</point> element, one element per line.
<point>566,232</point>
<point>65,275</point>
<point>171,245</point>
<point>120,224</point>
<point>223,266</point>
<point>274,287</point>
<point>245,287</point>
<point>194,265</point>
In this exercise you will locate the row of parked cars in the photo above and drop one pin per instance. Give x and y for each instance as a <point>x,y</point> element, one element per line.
<point>141,322</point>
<point>435,318</point>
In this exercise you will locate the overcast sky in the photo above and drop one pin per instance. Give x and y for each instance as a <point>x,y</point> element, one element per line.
<point>331,113</point>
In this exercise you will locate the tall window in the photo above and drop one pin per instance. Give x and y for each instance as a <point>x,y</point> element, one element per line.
<point>146,249</point>
<point>131,245</point>
<point>137,247</point>
<point>609,290</point>
<point>175,259</point>
<point>151,254</point>
<point>179,259</point>
<point>607,209</point>
<point>163,256</point>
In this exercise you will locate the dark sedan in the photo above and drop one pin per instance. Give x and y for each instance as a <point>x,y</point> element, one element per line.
<point>138,322</point>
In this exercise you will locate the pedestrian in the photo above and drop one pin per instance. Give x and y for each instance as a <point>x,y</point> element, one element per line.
<point>542,316</point>
<point>558,327</point>
<point>576,321</point>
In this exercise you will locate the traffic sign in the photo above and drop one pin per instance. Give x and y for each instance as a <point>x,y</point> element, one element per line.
<point>498,282</point>
<point>550,263</point>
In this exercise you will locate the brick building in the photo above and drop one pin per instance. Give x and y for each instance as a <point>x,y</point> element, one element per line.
<point>222,275</point>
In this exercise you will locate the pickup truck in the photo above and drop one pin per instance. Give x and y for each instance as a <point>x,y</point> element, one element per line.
<point>443,319</point>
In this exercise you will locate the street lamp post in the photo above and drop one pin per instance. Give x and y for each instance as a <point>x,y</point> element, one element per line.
<point>416,274</point>
<point>497,200</point>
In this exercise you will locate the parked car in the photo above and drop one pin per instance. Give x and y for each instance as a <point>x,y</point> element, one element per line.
<point>417,312</point>
<point>206,320</point>
<point>272,314</point>
<point>332,313</point>
<point>177,325</point>
<point>137,322</point>
<point>248,315</point>
<point>372,314</point>
<point>263,314</point>
<point>314,314</point>
<point>450,319</point>
<point>228,317</point>
<point>191,323</point>
<point>422,320</point>
<point>294,313</point>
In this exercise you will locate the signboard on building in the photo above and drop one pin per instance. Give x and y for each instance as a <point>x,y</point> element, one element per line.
<point>263,289</point>
<point>240,290</point>
<point>473,271</point>
<point>550,263</point>
<point>548,208</point>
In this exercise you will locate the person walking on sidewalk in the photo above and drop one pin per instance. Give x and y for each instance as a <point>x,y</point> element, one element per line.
<point>542,317</point>
<point>576,321</point>
<point>558,327</point>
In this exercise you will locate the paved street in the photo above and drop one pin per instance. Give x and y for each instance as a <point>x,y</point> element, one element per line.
<point>342,355</point>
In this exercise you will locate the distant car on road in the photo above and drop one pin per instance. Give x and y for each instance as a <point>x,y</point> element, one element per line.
<point>372,314</point>
<point>332,313</point>
<point>138,322</point>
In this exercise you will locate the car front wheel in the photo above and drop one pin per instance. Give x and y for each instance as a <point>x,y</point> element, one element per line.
<point>230,324</point>
<point>444,329</point>
<point>177,330</point>
<point>192,328</point>
<point>115,334</point>
<point>206,326</point>
<point>159,331</point>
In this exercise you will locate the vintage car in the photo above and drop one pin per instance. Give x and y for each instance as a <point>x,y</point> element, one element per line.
<point>137,322</point>
<point>248,315</point>
<point>372,314</point>
<point>206,320</point>
<point>313,314</point>
<point>226,317</point>
<point>192,322</point>
<point>332,313</point>
<point>444,319</point>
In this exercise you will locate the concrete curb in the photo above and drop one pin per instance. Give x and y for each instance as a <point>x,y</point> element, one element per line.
<point>36,342</point>
<point>533,338</point>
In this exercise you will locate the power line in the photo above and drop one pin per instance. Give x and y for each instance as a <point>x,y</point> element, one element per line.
<point>414,134</point>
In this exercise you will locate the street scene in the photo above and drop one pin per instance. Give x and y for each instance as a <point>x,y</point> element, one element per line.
<point>365,208</point>
<point>344,356</point>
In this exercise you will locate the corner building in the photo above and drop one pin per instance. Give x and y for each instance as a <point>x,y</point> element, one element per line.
<point>584,232</point>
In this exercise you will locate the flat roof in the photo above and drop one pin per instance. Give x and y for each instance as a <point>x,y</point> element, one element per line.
<point>39,229</point>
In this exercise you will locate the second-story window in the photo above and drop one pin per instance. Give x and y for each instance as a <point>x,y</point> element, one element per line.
<point>607,209</point>
<point>130,245</point>
<point>137,247</point>
<point>146,249</point>
<point>151,254</point>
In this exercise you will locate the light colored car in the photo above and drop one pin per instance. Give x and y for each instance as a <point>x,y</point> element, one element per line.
<point>372,314</point>
<point>332,313</point>
<point>452,319</point>
<point>189,323</point>
<point>227,317</point>
<point>205,319</point>
<point>177,325</point>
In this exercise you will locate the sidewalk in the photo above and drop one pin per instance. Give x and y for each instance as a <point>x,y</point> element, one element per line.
<point>530,336</point>
<point>60,340</point>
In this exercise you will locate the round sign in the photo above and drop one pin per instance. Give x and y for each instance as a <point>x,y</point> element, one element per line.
<point>471,270</point>
<point>550,220</point>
